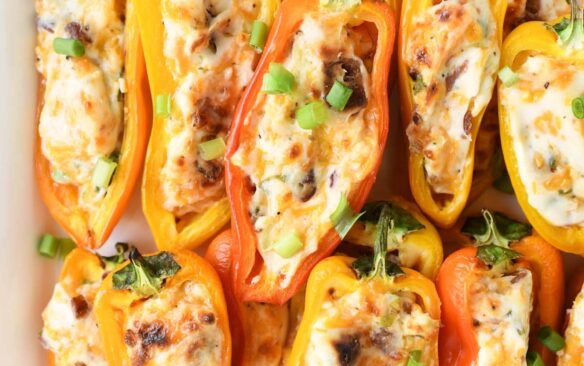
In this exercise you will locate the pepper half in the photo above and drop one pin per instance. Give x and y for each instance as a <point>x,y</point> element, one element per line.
<point>260,329</point>
<point>91,229</point>
<point>442,209</point>
<point>420,250</point>
<point>538,38</point>
<point>340,278</point>
<point>191,229</point>
<point>134,323</point>
<point>370,20</point>
<point>459,345</point>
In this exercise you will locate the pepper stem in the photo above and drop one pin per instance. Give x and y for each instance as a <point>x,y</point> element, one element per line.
<point>571,32</point>
<point>380,245</point>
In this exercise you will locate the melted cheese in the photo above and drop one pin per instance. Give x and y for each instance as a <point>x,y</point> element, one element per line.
<point>551,9</point>
<point>82,114</point>
<point>178,327</point>
<point>72,340</point>
<point>266,328</point>
<point>381,328</point>
<point>573,353</point>
<point>300,174</point>
<point>206,49</point>
<point>453,50</point>
<point>501,307</point>
<point>547,138</point>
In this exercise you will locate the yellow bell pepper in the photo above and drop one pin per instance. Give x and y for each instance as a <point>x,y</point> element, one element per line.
<point>170,231</point>
<point>339,276</point>
<point>443,212</point>
<point>420,250</point>
<point>537,38</point>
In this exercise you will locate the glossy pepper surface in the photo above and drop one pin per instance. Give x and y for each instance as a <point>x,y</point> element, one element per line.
<point>443,212</point>
<point>537,38</point>
<point>458,338</point>
<point>91,229</point>
<point>247,259</point>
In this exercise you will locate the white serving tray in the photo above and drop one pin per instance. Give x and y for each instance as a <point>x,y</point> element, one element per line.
<point>27,279</point>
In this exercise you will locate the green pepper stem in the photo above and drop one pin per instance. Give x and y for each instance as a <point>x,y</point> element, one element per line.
<point>380,245</point>
<point>571,33</point>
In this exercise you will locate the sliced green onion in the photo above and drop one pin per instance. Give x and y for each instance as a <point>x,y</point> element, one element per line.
<point>59,177</point>
<point>311,115</point>
<point>551,339</point>
<point>414,359</point>
<point>66,246</point>
<point>343,218</point>
<point>163,105</point>
<point>104,170</point>
<point>48,246</point>
<point>507,76</point>
<point>534,359</point>
<point>339,95</point>
<point>259,34</point>
<point>578,107</point>
<point>212,149</point>
<point>69,47</point>
<point>278,80</point>
<point>288,245</point>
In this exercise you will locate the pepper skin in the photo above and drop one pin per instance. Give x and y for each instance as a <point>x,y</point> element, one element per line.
<point>247,260</point>
<point>91,229</point>
<point>113,307</point>
<point>443,214</point>
<point>458,341</point>
<point>535,38</point>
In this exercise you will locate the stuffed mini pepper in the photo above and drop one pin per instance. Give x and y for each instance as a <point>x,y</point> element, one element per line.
<point>307,141</point>
<point>93,113</point>
<point>499,294</point>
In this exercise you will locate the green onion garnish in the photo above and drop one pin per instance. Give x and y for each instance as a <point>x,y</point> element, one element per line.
<point>163,105</point>
<point>278,80</point>
<point>507,76</point>
<point>104,170</point>
<point>551,339</point>
<point>69,47</point>
<point>578,107</point>
<point>344,217</point>
<point>259,34</point>
<point>311,115</point>
<point>59,177</point>
<point>66,246</point>
<point>414,359</point>
<point>212,149</point>
<point>534,359</point>
<point>48,246</point>
<point>339,95</point>
<point>288,245</point>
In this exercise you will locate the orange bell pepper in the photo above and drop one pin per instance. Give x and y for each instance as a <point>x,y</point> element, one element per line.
<point>191,230</point>
<point>339,276</point>
<point>443,212</point>
<point>260,329</point>
<point>458,339</point>
<point>248,263</point>
<point>537,38</point>
<point>573,351</point>
<point>129,289</point>
<point>91,229</point>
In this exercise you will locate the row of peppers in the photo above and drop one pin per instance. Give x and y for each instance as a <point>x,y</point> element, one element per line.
<point>407,257</point>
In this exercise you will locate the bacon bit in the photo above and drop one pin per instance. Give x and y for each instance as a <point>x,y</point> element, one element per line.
<point>546,85</point>
<point>295,151</point>
<point>476,323</point>
<point>307,186</point>
<point>130,338</point>
<point>407,307</point>
<point>180,161</point>
<point>207,318</point>
<point>416,118</point>
<point>347,348</point>
<point>432,89</point>
<point>80,306</point>
<point>154,333</point>
<point>453,76</point>
<point>467,123</point>
<point>422,56</point>
<point>211,171</point>
<point>517,276</point>
<point>249,185</point>
<point>444,15</point>
<point>75,31</point>
<point>332,179</point>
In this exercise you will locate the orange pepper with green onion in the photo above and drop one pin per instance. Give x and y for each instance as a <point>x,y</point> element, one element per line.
<point>353,307</point>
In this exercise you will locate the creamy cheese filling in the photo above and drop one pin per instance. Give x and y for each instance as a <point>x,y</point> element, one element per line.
<point>573,353</point>
<point>207,51</point>
<point>548,139</point>
<point>551,9</point>
<point>368,327</point>
<point>177,327</point>
<point>266,328</point>
<point>501,307</point>
<point>452,55</point>
<point>82,113</point>
<point>70,329</point>
<point>299,175</point>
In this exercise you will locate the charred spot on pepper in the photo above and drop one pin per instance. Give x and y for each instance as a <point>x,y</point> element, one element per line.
<point>348,71</point>
<point>347,349</point>
<point>75,31</point>
<point>307,186</point>
<point>80,306</point>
